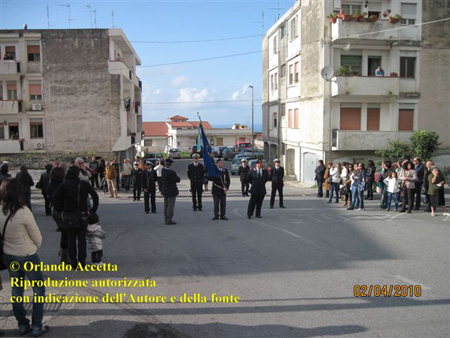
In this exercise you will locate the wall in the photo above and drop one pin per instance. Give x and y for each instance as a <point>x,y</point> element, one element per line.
<point>78,92</point>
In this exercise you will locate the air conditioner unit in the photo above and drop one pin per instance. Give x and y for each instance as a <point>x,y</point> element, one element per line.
<point>36,106</point>
<point>39,145</point>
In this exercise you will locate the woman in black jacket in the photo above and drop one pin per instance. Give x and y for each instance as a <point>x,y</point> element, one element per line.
<point>72,196</point>
<point>56,179</point>
<point>370,177</point>
<point>27,181</point>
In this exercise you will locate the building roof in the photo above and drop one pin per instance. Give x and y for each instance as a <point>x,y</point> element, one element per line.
<point>206,124</point>
<point>155,128</point>
<point>190,125</point>
<point>177,118</point>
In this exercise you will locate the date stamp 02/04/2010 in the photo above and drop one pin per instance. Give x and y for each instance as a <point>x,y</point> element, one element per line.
<point>385,290</point>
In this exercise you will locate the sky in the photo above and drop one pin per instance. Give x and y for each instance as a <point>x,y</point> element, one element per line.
<point>168,36</point>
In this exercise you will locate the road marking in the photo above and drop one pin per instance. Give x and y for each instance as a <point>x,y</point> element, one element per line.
<point>411,282</point>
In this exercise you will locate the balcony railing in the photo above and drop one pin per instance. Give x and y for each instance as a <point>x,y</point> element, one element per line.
<point>9,107</point>
<point>34,67</point>
<point>9,147</point>
<point>380,30</point>
<point>119,67</point>
<point>9,67</point>
<point>365,140</point>
<point>364,86</point>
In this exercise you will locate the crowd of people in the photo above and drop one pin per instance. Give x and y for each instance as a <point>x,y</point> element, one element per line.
<point>404,183</point>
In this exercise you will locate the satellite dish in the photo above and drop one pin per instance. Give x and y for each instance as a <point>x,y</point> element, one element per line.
<point>327,73</point>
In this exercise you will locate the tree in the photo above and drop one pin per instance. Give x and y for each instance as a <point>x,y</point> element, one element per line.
<point>424,143</point>
<point>396,151</point>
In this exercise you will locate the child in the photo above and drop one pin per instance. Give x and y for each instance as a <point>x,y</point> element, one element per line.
<point>393,189</point>
<point>94,238</point>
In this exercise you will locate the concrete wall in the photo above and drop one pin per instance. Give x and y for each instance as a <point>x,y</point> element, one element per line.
<point>434,105</point>
<point>79,94</point>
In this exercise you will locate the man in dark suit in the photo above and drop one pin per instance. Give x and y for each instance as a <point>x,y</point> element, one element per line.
<point>257,178</point>
<point>243,173</point>
<point>195,174</point>
<point>276,176</point>
<point>170,192</point>
<point>219,191</point>
<point>148,183</point>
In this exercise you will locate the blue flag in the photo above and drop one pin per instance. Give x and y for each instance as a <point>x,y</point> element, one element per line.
<point>213,171</point>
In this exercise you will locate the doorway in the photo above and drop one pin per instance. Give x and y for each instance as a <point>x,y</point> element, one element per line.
<point>373,63</point>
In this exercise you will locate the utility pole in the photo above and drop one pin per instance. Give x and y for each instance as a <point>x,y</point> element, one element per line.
<point>253,121</point>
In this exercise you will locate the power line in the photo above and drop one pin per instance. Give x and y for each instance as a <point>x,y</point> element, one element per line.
<point>202,102</point>
<point>198,41</point>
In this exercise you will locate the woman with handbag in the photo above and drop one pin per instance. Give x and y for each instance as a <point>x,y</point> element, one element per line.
<point>409,177</point>
<point>327,178</point>
<point>70,199</point>
<point>436,191</point>
<point>21,239</point>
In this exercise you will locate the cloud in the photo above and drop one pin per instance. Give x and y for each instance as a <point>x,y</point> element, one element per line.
<point>193,95</point>
<point>243,94</point>
<point>179,81</point>
<point>157,91</point>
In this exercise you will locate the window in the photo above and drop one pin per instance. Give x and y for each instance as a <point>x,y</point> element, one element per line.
<point>10,53</point>
<point>271,82</point>
<point>282,70</point>
<point>296,118</point>
<point>275,120</point>
<point>2,131</point>
<point>405,119</point>
<point>350,118</point>
<point>35,91</point>
<point>36,129</point>
<point>350,8</point>
<point>291,74</point>
<point>275,81</point>
<point>11,88</point>
<point>373,63</point>
<point>373,119</point>
<point>282,32</point>
<point>290,118</point>
<point>374,8</point>
<point>409,13</point>
<point>34,53</point>
<point>219,141</point>
<point>352,63</point>
<point>408,67</point>
<point>275,47</point>
<point>13,131</point>
<point>1,92</point>
<point>148,143</point>
<point>293,25</point>
<point>296,72</point>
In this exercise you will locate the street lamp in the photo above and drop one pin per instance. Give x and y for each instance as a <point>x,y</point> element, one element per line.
<point>253,131</point>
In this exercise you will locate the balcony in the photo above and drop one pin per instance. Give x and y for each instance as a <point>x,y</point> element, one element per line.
<point>364,86</point>
<point>9,107</point>
<point>9,147</point>
<point>366,140</point>
<point>367,32</point>
<point>119,67</point>
<point>9,67</point>
<point>34,67</point>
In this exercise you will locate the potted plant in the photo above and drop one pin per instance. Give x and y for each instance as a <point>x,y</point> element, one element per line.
<point>394,74</point>
<point>341,14</point>
<point>385,14</point>
<point>342,71</point>
<point>347,17</point>
<point>372,18</point>
<point>394,19</point>
<point>332,18</point>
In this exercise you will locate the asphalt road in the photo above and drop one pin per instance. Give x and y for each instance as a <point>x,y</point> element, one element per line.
<point>294,271</point>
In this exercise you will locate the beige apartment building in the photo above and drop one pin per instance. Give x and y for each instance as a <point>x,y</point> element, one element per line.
<point>68,91</point>
<point>349,112</point>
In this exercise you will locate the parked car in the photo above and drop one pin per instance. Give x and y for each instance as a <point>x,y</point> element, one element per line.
<point>228,154</point>
<point>218,151</point>
<point>252,163</point>
<point>194,151</point>
<point>236,163</point>
<point>243,145</point>
<point>174,153</point>
<point>152,157</point>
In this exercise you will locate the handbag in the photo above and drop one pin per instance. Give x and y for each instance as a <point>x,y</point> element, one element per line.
<point>3,266</point>
<point>71,219</point>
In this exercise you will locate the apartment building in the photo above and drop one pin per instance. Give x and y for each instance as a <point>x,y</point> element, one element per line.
<point>351,112</point>
<point>69,91</point>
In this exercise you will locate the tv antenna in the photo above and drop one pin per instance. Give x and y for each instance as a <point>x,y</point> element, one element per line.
<point>90,12</point>
<point>95,18</point>
<point>68,7</point>
<point>48,17</point>
<point>112,19</point>
<point>278,8</point>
